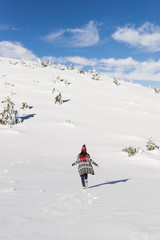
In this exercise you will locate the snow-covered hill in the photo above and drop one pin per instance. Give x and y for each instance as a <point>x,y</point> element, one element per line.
<point>41,196</point>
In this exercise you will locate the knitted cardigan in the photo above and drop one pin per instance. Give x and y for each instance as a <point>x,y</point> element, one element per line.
<point>85,164</point>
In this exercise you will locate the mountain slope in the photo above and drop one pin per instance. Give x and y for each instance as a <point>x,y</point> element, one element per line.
<point>41,193</point>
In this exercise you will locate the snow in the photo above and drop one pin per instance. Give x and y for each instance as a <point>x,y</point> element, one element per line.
<point>41,196</point>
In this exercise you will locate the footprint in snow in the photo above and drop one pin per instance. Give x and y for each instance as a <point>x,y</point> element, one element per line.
<point>88,197</point>
<point>63,205</point>
<point>75,199</point>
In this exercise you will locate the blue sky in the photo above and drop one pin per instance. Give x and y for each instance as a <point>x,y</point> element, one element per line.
<point>119,37</point>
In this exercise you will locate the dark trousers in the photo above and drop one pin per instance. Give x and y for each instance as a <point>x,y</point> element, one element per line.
<point>83,178</point>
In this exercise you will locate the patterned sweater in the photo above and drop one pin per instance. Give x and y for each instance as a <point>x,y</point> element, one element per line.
<point>85,164</point>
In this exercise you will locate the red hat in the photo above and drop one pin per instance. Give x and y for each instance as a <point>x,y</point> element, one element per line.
<point>84,148</point>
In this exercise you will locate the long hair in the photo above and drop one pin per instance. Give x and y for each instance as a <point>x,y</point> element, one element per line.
<point>83,153</point>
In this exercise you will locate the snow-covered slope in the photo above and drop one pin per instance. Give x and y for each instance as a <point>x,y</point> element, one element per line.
<point>41,196</point>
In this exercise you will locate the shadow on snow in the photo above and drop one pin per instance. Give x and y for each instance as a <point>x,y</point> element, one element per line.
<point>67,100</point>
<point>111,182</point>
<point>27,117</point>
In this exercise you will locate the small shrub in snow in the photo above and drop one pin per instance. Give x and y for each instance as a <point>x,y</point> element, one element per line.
<point>157,90</point>
<point>9,116</point>
<point>81,72</point>
<point>24,106</point>
<point>44,64</point>
<point>70,67</point>
<point>116,82</point>
<point>151,145</point>
<point>95,75</point>
<point>132,151</point>
<point>58,99</point>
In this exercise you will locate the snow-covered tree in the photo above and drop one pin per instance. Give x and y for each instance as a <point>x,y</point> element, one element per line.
<point>150,144</point>
<point>9,116</point>
<point>95,75</point>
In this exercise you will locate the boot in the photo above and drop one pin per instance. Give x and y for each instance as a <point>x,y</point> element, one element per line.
<point>86,183</point>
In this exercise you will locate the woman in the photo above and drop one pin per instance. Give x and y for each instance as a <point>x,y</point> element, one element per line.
<point>85,166</point>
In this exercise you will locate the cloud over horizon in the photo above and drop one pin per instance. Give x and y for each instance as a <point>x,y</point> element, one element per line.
<point>15,50</point>
<point>79,37</point>
<point>124,69</point>
<point>146,37</point>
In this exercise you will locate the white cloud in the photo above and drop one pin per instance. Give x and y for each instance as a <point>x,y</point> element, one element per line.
<point>129,69</point>
<point>15,50</point>
<point>53,36</point>
<point>76,60</point>
<point>147,36</point>
<point>82,61</point>
<point>127,63</point>
<point>87,36</point>
<point>79,37</point>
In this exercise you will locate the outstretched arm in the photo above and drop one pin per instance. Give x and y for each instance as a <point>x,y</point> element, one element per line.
<point>93,162</point>
<point>78,161</point>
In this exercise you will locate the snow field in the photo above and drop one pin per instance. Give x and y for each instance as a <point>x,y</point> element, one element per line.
<point>41,194</point>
